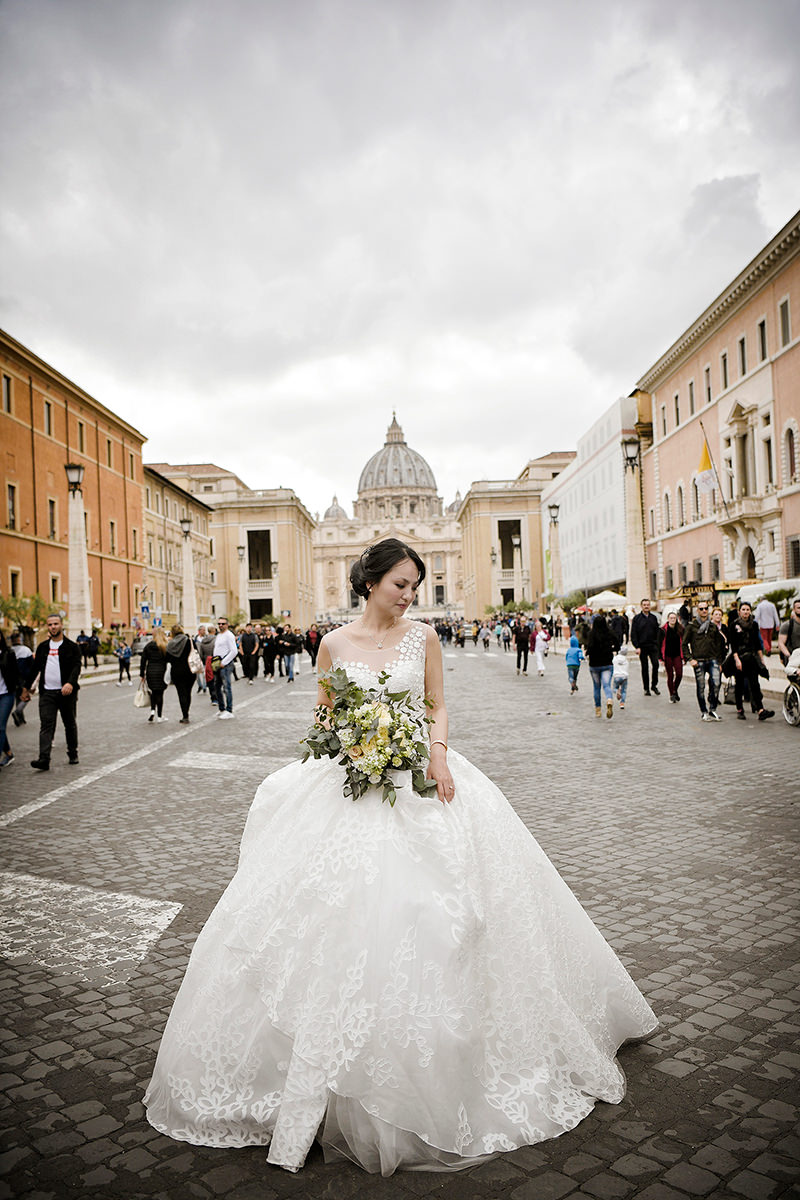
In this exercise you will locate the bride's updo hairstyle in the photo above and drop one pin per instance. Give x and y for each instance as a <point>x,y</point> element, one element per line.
<point>377,560</point>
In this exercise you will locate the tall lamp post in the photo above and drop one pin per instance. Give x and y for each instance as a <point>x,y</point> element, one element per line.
<point>516,543</point>
<point>241,551</point>
<point>276,589</point>
<point>189,595</point>
<point>494,588</point>
<point>555,550</point>
<point>636,582</point>
<point>79,614</point>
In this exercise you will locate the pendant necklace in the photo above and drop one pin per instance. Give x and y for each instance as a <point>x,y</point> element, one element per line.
<point>379,644</point>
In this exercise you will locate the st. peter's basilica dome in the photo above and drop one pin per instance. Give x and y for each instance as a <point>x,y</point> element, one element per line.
<point>396,466</point>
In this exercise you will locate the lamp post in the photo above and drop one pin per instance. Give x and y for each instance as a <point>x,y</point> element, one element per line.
<point>516,544</point>
<point>243,602</point>
<point>276,589</point>
<point>493,588</point>
<point>636,583</point>
<point>555,550</point>
<point>80,603</point>
<point>189,595</point>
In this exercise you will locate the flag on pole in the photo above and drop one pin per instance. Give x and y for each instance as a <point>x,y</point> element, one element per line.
<point>705,478</point>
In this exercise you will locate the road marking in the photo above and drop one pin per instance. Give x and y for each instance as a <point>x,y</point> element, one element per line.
<point>203,761</point>
<point>300,715</point>
<point>97,935</point>
<point>76,785</point>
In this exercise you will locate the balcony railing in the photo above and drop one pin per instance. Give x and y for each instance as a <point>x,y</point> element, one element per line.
<point>259,587</point>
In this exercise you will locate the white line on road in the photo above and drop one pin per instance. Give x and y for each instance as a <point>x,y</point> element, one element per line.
<point>204,761</point>
<point>76,785</point>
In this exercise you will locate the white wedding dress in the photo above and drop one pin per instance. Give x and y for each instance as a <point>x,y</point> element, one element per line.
<point>414,986</point>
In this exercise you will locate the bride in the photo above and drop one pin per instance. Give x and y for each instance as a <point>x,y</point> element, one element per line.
<point>414,986</point>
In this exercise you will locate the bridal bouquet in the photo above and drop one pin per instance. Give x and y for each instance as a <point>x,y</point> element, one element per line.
<point>373,734</point>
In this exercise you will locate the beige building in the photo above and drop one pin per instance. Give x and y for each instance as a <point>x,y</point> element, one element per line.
<point>260,545</point>
<point>501,534</point>
<point>397,497</point>
<point>161,587</point>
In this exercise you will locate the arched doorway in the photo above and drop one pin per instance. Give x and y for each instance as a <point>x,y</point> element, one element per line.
<point>749,564</point>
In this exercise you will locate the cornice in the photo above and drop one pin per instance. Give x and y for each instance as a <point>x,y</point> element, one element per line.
<point>776,255</point>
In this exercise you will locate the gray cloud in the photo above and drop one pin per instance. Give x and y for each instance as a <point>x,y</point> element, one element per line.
<point>491,216</point>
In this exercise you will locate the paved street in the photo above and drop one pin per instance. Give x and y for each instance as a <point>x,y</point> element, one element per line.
<point>678,837</point>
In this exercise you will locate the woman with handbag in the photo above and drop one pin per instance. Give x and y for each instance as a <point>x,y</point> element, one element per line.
<point>179,650</point>
<point>153,670</point>
<point>748,661</point>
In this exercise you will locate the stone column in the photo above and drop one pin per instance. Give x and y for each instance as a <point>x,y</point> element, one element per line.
<point>79,614</point>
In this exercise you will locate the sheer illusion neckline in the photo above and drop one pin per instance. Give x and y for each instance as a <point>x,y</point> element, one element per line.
<point>378,650</point>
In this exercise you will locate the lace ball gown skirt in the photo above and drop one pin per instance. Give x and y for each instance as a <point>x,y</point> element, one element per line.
<point>415,986</point>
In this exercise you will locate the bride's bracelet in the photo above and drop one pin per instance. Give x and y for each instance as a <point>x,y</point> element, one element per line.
<point>438,742</point>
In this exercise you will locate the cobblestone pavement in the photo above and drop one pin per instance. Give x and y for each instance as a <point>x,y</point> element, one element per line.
<point>676,835</point>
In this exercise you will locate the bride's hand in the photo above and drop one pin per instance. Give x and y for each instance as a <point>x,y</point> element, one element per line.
<point>439,770</point>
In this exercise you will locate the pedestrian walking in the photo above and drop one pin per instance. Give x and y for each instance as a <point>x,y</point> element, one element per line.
<point>123,653</point>
<point>522,641</point>
<point>202,682</point>
<point>248,648</point>
<point>82,642</point>
<point>671,654</point>
<point>181,674</point>
<point>297,638</point>
<point>57,662</point>
<point>9,681</point>
<point>24,657</point>
<point>619,675</point>
<point>601,646</point>
<point>748,662</point>
<point>270,653</point>
<point>705,647</point>
<point>645,637</point>
<point>222,662</point>
<point>153,670</point>
<point>93,648</point>
<point>485,635</point>
<point>286,649</point>
<point>506,637</point>
<point>311,642</point>
<point>768,621</point>
<point>540,642</point>
<point>206,651</point>
<point>574,658</point>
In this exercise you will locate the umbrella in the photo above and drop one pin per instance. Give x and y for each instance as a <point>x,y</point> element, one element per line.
<point>607,599</point>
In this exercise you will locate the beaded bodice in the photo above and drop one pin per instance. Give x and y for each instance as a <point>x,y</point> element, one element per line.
<point>404,662</point>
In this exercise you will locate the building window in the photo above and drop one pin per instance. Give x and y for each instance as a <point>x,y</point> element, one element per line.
<point>691,397</point>
<point>213,576</point>
<point>664,420</point>
<point>438,597</point>
<point>51,519</point>
<point>81,438</point>
<point>147,495</point>
<point>713,567</point>
<point>112,536</point>
<point>130,466</point>
<point>135,544</point>
<point>48,418</point>
<point>680,506</point>
<point>6,393</point>
<point>669,578</point>
<point>161,555</point>
<point>724,369</point>
<point>652,522</point>
<point>768,460</point>
<point>13,583</point>
<point>667,514</point>
<point>115,596</point>
<point>697,570</point>
<point>707,378</point>
<point>653,583</point>
<point>677,409</point>
<point>742,356</point>
<point>109,459</point>
<point>793,556</point>
<point>683,574</point>
<point>786,325</point>
<point>11,501</point>
<point>695,501</point>
<point>791,456</point>
<point>158,502</point>
<point>762,340</point>
<point>149,552</point>
<point>55,588</point>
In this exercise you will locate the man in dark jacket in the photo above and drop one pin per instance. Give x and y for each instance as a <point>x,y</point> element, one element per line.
<point>645,636</point>
<point>57,664</point>
<point>704,647</point>
<point>248,648</point>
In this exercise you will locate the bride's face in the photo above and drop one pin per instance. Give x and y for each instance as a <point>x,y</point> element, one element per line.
<point>395,591</point>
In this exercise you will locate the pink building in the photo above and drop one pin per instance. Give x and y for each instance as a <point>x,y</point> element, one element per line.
<point>734,375</point>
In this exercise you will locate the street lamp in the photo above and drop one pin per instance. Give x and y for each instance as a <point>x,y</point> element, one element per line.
<point>189,595</point>
<point>80,606</point>
<point>630,453</point>
<point>240,552</point>
<point>553,510</point>
<point>493,556</point>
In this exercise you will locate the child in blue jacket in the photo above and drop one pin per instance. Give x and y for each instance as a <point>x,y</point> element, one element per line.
<point>574,660</point>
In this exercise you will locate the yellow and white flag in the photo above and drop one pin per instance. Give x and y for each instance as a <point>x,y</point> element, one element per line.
<point>705,478</point>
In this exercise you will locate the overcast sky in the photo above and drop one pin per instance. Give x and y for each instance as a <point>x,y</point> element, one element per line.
<point>253,228</point>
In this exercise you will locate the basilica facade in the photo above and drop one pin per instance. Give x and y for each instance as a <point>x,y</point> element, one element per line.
<point>397,497</point>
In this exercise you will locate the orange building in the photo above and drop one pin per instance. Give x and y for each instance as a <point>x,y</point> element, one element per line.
<point>733,377</point>
<point>47,421</point>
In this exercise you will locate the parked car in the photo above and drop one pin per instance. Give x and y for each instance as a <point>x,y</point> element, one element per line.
<point>140,642</point>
